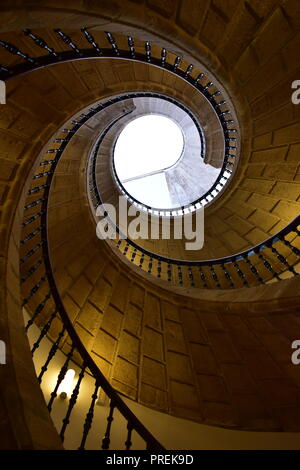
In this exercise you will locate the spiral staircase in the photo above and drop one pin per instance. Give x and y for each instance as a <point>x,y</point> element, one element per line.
<point>201,336</point>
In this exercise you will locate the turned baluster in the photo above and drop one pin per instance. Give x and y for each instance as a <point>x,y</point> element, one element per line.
<point>214,276</point>
<point>227,275</point>
<point>142,259</point>
<point>188,70</point>
<point>133,255</point>
<point>176,63</point>
<point>51,354</point>
<point>91,40</point>
<point>14,50</point>
<point>202,277</point>
<point>128,442</point>
<point>72,402</point>
<point>191,277</point>
<point>293,248</point>
<point>60,377</point>
<point>148,51</point>
<point>163,56</point>
<point>150,264</point>
<point>44,331</point>
<point>40,42</point>
<point>240,273</point>
<point>34,290</point>
<point>67,40</point>
<point>32,251</point>
<point>38,310</point>
<point>89,417</point>
<point>253,269</point>
<point>159,269</point>
<point>110,418</point>
<point>169,272</point>
<point>268,266</point>
<point>282,260</point>
<point>131,46</point>
<point>112,42</point>
<point>180,275</point>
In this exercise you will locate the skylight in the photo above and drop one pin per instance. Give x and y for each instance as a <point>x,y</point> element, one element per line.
<point>148,144</point>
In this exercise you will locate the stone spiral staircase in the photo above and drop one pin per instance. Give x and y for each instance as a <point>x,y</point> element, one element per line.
<point>205,337</point>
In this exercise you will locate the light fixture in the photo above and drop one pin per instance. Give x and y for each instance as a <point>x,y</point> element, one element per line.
<point>66,386</point>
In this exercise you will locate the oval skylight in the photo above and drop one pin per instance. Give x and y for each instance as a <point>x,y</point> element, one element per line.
<point>158,160</point>
<point>146,146</point>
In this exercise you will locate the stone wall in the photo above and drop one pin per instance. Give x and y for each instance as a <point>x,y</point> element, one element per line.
<point>221,361</point>
<point>236,41</point>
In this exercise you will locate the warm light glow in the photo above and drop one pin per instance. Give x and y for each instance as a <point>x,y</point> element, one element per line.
<point>66,386</point>
<point>147,144</point>
<point>147,147</point>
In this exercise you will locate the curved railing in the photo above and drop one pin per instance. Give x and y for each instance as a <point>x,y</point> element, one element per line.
<point>148,54</point>
<point>272,260</point>
<point>42,299</point>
